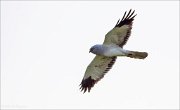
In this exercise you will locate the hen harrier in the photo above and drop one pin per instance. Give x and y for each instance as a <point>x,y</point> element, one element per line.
<point>107,53</point>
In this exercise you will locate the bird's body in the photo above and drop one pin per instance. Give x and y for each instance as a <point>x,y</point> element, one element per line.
<point>112,50</point>
<point>107,53</point>
<point>109,50</point>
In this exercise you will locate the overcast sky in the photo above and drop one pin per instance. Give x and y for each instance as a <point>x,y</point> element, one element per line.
<point>44,54</point>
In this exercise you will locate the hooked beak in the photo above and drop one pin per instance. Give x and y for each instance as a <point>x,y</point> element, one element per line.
<point>90,50</point>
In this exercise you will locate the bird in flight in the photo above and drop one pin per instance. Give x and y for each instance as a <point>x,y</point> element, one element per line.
<point>107,53</point>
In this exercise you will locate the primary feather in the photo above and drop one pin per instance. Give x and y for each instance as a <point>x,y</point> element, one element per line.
<point>122,30</point>
<point>95,71</point>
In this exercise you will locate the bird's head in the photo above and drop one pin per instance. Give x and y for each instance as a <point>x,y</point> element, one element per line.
<point>96,49</point>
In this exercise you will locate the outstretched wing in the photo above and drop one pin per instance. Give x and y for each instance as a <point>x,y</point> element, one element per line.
<point>96,70</point>
<point>122,30</point>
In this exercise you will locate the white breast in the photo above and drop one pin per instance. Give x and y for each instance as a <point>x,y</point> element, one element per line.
<point>113,50</point>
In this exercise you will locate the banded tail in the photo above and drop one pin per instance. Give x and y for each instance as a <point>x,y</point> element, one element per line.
<point>138,55</point>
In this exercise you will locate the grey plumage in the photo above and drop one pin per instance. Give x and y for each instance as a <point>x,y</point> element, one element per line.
<point>106,53</point>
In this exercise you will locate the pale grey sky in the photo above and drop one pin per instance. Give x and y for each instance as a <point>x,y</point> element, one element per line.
<point>44,54</point>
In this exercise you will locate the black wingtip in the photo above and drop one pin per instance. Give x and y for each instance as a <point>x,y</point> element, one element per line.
<point>126,19</point>
<point>87,84</point>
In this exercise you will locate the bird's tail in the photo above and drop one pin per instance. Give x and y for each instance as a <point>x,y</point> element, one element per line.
<point>138,55</point>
